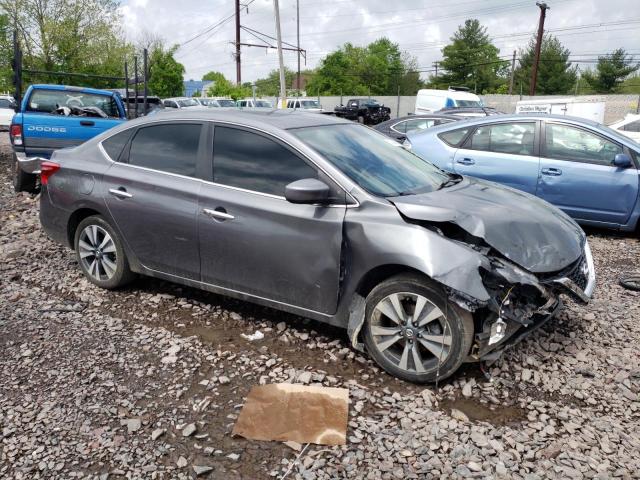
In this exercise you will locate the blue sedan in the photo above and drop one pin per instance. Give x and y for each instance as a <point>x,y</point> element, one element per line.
<point>584,168</point>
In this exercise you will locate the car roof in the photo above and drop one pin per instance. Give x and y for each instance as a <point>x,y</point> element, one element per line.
<point>281,119</point>
<point>70,88</point>
<point>418,116</point>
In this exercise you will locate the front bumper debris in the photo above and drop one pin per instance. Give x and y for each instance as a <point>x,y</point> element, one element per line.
<point>514,335</point>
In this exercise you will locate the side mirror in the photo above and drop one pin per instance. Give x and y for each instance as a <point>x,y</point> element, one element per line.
<point>307,190</point>
<point>622,160</point>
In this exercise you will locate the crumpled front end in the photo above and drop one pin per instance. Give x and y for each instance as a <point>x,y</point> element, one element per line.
<point>520,301</point>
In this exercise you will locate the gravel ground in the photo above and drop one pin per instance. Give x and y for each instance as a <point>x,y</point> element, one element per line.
<point>147,382</point>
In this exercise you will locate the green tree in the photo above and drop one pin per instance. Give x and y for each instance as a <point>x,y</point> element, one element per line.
<point>224,88</point>
<point>471,60</point>
<point>165,73</point>
<point>555,72</point>
<point>611,71</point>
<point>6,54</point>
<point>631,85</point>
<point>270,86</point>
<point>70,36</point>
<point>380,68</point>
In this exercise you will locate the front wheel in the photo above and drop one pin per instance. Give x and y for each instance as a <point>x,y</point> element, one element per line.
<point>23,181</point>
<point>414,332</point>
<point>100,254</point>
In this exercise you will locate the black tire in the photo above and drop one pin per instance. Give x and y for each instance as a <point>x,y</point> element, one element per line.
<point>458,325</point>
<point>23,181</point>
<point>630,282</point>
<point>122,274</point>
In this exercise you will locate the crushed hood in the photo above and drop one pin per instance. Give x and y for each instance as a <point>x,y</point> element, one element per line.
<point>526,230</point>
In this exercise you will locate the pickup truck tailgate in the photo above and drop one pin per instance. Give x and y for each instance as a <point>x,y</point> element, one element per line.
<point>43,133</point>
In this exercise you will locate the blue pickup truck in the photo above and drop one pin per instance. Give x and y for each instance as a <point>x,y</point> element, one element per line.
<point>57,116</point>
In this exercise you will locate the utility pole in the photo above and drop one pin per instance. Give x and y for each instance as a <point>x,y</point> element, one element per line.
<point>534,71</point>
<point>238,74</point>
<point>283,88</point>
<point>435,64</point>
<point>298,44</point>
<point>513,68</point>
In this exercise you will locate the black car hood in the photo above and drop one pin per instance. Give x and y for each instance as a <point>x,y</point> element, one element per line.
<point>526,230</point>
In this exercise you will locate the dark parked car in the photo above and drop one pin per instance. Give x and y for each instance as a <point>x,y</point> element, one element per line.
<point>323,218</point>
<point>363,110</point>
<point>469,111</point>
<point>589,171</point>
<point>399,127</point>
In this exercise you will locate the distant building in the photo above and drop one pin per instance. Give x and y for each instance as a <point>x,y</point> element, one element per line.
<point>193,86</point>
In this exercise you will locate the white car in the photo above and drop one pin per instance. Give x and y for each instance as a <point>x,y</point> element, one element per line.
<point>182,102</point>
<point>629,126</point>
<point>251,103</point>
<point>7,106</point>
<point>303,103</point>
<point>216,102</point>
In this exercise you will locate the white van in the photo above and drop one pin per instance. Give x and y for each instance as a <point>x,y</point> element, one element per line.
<point>429,101</point>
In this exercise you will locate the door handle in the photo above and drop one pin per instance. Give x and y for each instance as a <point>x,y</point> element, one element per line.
<point>466,161</point>
<point>220,214</point>
<point>120,192</point>
<point>551,171</point>
<point>87,123</point>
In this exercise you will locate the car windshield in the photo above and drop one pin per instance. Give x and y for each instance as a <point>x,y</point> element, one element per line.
<point>48,101</point>
<point>188,102</point>
<point>468,103</point>
<point>376,163</point>
<point>309,104</point>
<point>226,102</point>
<point>263,104</point>
<point>204,101</point>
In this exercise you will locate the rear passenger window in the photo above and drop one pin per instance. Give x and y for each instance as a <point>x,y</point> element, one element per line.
<point>454,138</point>
<point>253,162</point>
<point>513,138</point>
<point>171,148</point>
<point>114,144</point>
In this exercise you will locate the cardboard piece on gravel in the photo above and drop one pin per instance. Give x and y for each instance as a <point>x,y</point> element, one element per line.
<point>304,414</point>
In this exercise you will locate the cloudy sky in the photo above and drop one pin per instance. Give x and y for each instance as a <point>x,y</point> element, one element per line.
<point>587,27</point>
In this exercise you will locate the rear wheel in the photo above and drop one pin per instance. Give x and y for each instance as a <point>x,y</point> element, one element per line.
<point>23,181</point>
<point>414,332</point>
<point>100,254</point>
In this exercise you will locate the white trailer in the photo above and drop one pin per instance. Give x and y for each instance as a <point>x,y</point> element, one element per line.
<point>575,107</point>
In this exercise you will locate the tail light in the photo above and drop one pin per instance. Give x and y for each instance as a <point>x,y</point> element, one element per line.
<point>46,170</point>
<point>16,134</point>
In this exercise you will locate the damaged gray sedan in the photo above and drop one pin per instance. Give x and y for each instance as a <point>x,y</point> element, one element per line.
<point>323,218</point>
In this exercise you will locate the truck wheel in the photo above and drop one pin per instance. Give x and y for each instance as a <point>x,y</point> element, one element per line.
<point>360,119</point>
<point>23,181</point>
<point>101,255</point>
<point>414,332</point>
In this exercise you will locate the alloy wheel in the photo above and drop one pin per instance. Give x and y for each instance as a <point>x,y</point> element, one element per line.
<point>97,252</point>
<point>411,332</point>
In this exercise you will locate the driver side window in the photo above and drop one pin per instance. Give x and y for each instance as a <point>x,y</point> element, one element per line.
<point>565,142</point>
